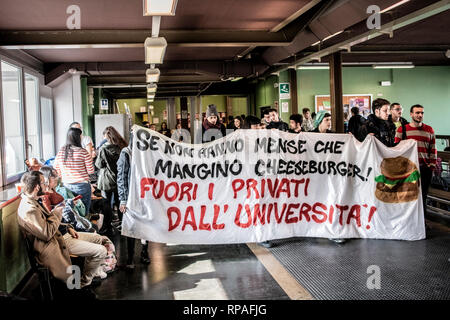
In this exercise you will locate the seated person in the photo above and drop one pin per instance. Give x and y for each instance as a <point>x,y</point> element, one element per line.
<point>41,227</point>
<point>53,198</point>
<point>105,213</point>
<point>54,241</point>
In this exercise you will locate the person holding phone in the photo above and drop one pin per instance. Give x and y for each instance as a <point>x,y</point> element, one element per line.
<point>52,199</point>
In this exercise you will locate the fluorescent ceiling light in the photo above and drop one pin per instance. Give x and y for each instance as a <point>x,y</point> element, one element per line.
<point>393,66</point>
<point>160,7</point>
<point>313,67</point>
<point>150,100</point>
<point>150,96</point>
<point>151,88</point>
<point>155,48</point>
<point>395,5</point>
<point>152,75</point>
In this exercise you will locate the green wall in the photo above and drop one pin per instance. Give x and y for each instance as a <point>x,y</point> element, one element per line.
<point>428,86</point>
<point>239,106</point>
<point>219,101</point>
<point>266,94</point>
<point>88,112</point>
<point>284,78</point>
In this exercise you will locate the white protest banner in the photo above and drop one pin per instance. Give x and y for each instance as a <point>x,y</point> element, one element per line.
<point>257,185</point>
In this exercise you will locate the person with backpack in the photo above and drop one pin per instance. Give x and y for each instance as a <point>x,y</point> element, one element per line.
<point>106,162</point>
<point>355,123</point>
<point>74,165</point>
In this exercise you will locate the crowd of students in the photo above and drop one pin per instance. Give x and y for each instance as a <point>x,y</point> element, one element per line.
<point>58,201</point>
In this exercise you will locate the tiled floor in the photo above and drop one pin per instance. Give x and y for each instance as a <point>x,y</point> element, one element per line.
<point>287,271</point>
<point>191,272</point>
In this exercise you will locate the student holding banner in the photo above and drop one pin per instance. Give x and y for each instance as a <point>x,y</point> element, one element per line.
<point>323,125</point>
<point>212,122</point>
<point>123,183</point>
<point>378,125</point>
<point>426,145</point>
<point>276,122</point>
<point>254,123</point>
<point>295,123</point>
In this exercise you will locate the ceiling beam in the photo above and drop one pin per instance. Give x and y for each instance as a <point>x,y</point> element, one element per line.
<point>173,69</point>
<point>294,16</point>
<point>80,39</point>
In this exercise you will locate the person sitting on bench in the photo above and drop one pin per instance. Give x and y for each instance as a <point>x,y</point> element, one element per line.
<point>54,241</point>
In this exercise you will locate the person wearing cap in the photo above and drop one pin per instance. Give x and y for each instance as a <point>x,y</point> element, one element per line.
<point>212,122</point>
<point>322,123</point>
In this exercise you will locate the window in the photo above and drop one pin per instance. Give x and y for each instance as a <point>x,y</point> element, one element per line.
<point>13,129</point>
<point>48,145</point>
<point>32,112</point>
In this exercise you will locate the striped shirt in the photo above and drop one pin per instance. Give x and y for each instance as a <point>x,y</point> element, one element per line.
<point>77,167</point>
<point>426,142</point>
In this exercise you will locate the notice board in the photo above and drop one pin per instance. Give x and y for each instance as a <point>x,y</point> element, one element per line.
<point>362,101</point>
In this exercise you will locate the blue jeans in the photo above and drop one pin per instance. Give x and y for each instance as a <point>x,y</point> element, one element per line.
<point>83,189</point>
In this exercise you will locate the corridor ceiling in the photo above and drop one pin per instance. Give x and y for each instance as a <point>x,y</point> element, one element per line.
<point>211,43</point>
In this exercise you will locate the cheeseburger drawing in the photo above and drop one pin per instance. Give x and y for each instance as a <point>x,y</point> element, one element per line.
<point>398,182</point>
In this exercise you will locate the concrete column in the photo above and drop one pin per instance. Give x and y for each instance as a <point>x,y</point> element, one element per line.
<point>293,82</point>
<point>171,114</point>
<point>184,112</point>
<point>192,111</point>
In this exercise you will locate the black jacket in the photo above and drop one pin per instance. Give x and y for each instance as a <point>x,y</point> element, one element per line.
<point>382,130</point>
<point>214,135</point>
<point>316,130</point>
<point>107,163</point>
<point>403,122</point>
<point>354,125</point>
<point>280,125</point>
